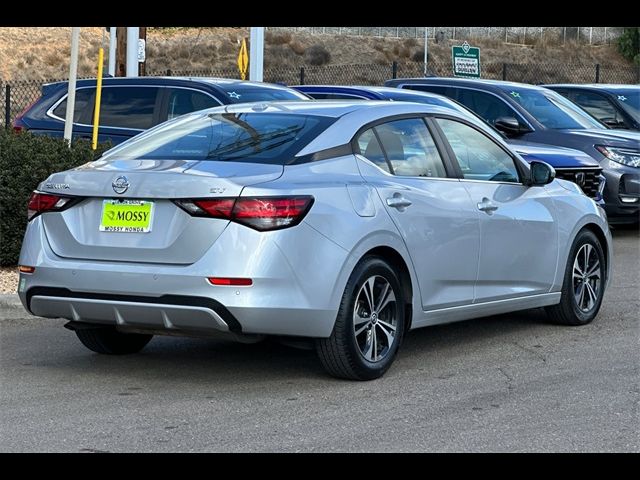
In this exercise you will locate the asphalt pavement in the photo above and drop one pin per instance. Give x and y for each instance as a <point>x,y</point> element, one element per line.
<point>512,383</point>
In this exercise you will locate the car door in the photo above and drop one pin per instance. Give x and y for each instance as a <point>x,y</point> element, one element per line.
<point>432,211</point>
<point>518,231</point>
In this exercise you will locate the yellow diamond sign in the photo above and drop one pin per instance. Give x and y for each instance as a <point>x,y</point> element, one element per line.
<point>243,59</point>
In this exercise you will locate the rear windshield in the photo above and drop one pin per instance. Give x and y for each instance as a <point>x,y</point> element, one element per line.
<point>248,93</point>
<point>240,137</point>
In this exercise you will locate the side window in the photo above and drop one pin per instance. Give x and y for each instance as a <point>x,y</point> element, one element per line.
<point>487,106</point>
<point>183,100</point>
<point>410,149</point>
<point>598,106</point>
<point>371,150</point>
<point>479,157</point>
<point>128,107</point>
<point>84,104</point>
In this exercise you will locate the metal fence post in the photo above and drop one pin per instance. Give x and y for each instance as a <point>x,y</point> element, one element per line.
<point>597,73</point>
<point>301,75</point>
<point>168,72</point>
<point>7,107</point>
<point>394,70</point>
<point>504,71</point>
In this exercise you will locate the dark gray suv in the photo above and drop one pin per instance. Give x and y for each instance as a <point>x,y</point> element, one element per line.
<point>539,115</point>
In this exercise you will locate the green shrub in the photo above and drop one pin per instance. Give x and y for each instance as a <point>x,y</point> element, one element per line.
<point>25,161</point>
<point>629,44</point>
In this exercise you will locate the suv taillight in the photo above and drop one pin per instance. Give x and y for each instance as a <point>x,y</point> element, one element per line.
<point>46,202</point>
<point>259,213</point>
<point>18,118</point>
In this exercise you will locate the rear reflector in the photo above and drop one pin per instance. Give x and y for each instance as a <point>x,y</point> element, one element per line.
<point>236,282</point>
<point>26,269</point>
<point>259,213</point>
<point>46,202</point>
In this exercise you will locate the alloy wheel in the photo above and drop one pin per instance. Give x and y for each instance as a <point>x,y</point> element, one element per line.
<point>587,278</point>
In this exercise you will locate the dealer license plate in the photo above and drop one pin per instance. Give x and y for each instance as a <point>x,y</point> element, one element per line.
<point>126,216</point>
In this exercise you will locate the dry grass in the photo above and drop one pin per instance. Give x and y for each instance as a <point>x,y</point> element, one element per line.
<point>43,53</point>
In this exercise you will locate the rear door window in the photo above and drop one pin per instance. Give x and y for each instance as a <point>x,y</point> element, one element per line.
<point>83,109</point>
<point>129,107</point>
<point>184,100</point>
<point>598,106</point>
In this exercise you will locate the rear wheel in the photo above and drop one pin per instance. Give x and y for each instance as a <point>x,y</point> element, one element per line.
<point>583,286</point>
<point>369,326</point>
<point>109,341</point>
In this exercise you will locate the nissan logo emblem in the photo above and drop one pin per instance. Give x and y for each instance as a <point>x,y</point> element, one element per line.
<point>120,184</point>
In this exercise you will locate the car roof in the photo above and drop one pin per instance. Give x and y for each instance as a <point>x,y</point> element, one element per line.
<point>213,81</point>
<point>328,108</point>
<point>594,86</point>
<point>475,82</point>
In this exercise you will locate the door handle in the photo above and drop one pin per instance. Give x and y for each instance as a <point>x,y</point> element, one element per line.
<point>398,202</point>
<point>487,205</point>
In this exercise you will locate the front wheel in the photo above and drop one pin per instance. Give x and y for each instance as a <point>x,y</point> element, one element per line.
<point>369,326</point>
<point>584,281</point>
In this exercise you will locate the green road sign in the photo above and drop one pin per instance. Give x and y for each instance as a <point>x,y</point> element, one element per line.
<point>466,61</point>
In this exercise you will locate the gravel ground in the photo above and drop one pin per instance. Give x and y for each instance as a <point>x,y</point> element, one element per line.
<point>8,279</point>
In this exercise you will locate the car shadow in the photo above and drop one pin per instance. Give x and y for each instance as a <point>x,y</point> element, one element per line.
<point>176,360</point>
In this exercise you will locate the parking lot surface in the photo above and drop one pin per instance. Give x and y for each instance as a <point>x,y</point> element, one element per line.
<point>507,383</point>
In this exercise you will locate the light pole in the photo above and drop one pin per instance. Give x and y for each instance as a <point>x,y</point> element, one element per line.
<point>112,51</point>
<point>256,54</point>
<point>133,34</point>
<point>71,92</point>
<point>426,46</point>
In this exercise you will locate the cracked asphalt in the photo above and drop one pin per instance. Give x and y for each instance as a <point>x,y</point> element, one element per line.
<point>512,383</point>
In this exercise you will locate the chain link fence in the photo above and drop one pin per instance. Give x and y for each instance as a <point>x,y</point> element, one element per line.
<point>518,35</point>
<point>15,96</point>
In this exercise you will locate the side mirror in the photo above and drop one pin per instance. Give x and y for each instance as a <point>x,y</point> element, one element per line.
<point>508,126</point>
<point>541,173</point>
<point>613,123</point>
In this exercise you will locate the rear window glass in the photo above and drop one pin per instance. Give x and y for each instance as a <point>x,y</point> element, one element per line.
<point>83,102</point>
<point>239,137</point>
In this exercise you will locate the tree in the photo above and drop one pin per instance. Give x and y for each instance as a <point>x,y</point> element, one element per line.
<point>629,44</point>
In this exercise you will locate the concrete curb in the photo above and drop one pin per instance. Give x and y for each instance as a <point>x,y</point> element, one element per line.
<point>10,300</point>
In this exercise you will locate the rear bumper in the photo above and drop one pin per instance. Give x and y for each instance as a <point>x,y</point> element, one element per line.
<point>283,300</point>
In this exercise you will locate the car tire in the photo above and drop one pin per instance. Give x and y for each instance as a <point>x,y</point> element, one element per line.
<point>109,341</point>
<point>582,287</point>
<point>365,338</point>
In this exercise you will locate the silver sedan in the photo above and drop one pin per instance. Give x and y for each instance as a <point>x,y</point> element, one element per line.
<point>346,223</point>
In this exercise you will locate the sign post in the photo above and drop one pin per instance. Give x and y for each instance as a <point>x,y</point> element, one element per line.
<point>466,61</point>
<point>243,60</point>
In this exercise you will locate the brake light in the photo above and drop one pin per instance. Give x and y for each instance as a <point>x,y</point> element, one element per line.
<point>259,213</point>
<point>45,202</point>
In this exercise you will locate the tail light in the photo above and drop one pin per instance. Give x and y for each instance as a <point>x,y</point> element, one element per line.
<point>46,202</point>
<point>19,128</point>
<point>259,213</point>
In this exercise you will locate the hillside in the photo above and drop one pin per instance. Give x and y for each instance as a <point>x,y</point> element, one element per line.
<point>37,53</point>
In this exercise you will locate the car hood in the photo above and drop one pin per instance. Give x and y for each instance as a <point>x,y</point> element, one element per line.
<point>614,138</point>
<point>557,157</point>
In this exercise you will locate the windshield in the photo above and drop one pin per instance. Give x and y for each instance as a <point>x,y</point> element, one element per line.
<point>551,109</point>
<point>242,137</point>
<point>629,99</point>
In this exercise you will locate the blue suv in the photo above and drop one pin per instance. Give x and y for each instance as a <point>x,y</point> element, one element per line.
<point>132,105</point>
<point>569,164</point>
<point>537,114</point>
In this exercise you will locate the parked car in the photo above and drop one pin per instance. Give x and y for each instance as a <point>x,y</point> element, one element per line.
<point>570,164</point>
<point>536,114</point>
<point>348,223</point>
<point>132,105</point>
<point>616,106</point>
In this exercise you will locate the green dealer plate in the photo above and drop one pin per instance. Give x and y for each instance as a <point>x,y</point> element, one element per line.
<point>126,216</point>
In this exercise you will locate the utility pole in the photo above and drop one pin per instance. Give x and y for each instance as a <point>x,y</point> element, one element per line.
<point>133,34</point>
<point>121,52</point>
<point>112,51</point>
<point>256,54</point>
<point>71,93</point>
<point>142,66</point>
